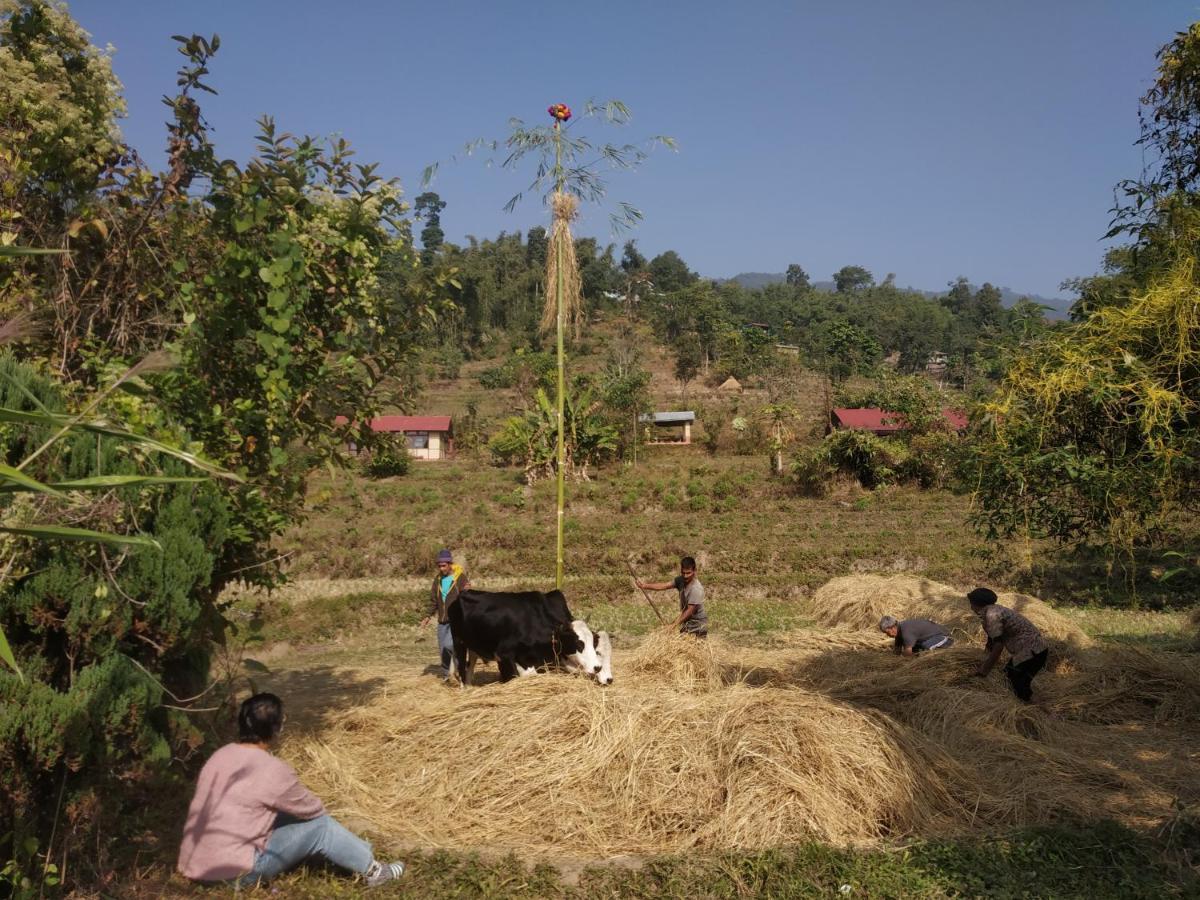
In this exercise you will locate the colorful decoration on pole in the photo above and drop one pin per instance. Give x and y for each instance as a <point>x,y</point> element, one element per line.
<point>559,111</point>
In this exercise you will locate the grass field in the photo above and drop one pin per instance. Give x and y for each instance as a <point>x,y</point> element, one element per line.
<point>360,568</point>
<point>320,649</point>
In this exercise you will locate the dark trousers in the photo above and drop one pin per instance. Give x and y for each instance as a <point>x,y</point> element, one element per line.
<point>1021,675</point>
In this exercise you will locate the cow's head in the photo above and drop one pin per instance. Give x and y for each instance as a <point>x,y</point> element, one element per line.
<point>577,648</point>
<point>603,644</point>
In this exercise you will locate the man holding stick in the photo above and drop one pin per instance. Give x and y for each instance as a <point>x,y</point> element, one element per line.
<point>692,617</point>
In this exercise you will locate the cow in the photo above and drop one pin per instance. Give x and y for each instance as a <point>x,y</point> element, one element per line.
<point>521,631</point>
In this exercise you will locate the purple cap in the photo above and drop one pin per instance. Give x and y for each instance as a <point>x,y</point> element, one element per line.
<point>445,556</point>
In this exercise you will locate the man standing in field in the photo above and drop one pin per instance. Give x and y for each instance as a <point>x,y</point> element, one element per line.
<point>914,635</point>
<point>1007,629</point>
<point>692,617</point>
<point>449,581</point>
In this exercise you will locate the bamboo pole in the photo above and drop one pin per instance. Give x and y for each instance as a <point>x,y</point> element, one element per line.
<point>558,538</point>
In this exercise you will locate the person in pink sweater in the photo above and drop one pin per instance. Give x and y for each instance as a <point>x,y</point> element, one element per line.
<point>251,818</point>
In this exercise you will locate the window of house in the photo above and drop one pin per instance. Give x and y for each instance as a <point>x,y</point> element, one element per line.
<point>417,440</point>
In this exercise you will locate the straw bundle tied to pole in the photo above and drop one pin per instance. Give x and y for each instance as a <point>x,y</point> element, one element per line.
<point>561,252</point>
<point>704,744</point>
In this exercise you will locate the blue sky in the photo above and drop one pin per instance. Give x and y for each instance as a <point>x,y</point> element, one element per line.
<point>929,139</point>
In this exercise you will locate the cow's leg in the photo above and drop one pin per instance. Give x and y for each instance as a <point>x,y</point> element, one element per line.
<point>508,669</point>
<point>523,672</point>
<point>472,658</point>
<point>460,657</point>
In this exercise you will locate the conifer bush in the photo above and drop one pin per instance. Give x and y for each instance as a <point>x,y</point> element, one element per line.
<point>106,638</point>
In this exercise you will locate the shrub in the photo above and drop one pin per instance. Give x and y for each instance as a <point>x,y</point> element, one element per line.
<point>812,471</point>
<point>388,459</point>
<point>104,636</point>
<point>873,460</point>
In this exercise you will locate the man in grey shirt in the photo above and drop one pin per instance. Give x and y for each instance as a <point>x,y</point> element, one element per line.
<point>914,635</point>
<point>692,617</point>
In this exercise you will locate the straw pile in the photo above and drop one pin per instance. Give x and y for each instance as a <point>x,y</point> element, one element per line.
<point>704,744</point>
<point>859,601</point>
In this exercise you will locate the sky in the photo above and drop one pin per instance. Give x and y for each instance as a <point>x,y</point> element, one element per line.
<point>930,139</point>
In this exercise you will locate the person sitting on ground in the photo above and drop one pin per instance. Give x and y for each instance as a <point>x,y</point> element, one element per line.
<point>449,581</point>
<point>914,635</point>
<point>692,619</point>
<point>1007,629</point>
<point>251,819</point>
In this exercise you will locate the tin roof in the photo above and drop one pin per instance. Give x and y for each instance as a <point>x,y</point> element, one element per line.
<point>668,418</point>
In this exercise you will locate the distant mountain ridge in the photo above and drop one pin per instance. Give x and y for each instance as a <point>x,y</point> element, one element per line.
<point>756,280</point>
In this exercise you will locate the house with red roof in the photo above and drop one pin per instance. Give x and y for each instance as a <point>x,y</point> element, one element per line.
<point>883,422</point>
<point>427,437</point>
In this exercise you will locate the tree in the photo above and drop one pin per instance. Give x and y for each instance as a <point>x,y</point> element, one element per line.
<point>429,206</point>
<point>987,308</point>
<point>1170,135</point>
<point>797,277</point>
<point>670,273</point>
<point>632,260</point>
<point>780,418</point>
<point>262,281</point>
<point>689,356</point>
<point>536,242</point>
<point>1093,434</point>
<point>958,299</point>
<point>852,278</point>
<point>849,350</point>
<point>625,390</point>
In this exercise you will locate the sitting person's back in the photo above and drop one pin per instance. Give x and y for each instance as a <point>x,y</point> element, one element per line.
<point>252,819</point>
<point>241,790</point>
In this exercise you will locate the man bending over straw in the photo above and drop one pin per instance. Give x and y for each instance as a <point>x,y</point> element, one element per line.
<point>1008,629</point>
<point>914,635</point>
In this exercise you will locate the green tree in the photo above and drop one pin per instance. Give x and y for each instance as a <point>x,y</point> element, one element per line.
<point>688,358</point>
<point>1093,431</point>
<point>780,419</point>
<point>1170,135</point>
<point>669,272</point>
<point>632,260</point>
<point>428,206</point>
<point>849,350</point>
<point>852,278</point>
<point>959,298</point>
<point>796,277</point>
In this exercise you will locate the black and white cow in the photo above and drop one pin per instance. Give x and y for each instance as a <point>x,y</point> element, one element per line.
<point>523,631</point>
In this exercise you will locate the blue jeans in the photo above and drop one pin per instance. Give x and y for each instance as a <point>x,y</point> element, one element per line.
<point>294,841</point>
<point>445,646</point>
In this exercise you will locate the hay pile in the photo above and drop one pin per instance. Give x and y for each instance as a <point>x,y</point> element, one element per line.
<point>859,601</point>
<point>708,745</point>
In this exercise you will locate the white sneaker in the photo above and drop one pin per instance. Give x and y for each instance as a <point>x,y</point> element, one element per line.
<point>379,873</point>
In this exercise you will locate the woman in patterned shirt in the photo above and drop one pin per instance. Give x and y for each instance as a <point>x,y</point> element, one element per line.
<point>1007,629</point>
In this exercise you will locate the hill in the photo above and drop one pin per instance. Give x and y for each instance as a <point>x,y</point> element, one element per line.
<point>1058,305</point>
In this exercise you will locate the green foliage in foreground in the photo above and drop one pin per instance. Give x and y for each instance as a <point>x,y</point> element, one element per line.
<point>105,622</point>
<point>1096,861</point>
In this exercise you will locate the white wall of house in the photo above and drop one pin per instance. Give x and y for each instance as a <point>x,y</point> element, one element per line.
<point>426,444</point>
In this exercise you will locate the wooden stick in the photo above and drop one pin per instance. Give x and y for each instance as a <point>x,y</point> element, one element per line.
<point>633,575</point>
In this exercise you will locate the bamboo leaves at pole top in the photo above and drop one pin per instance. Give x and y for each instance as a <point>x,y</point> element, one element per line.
<point>568,169</point>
